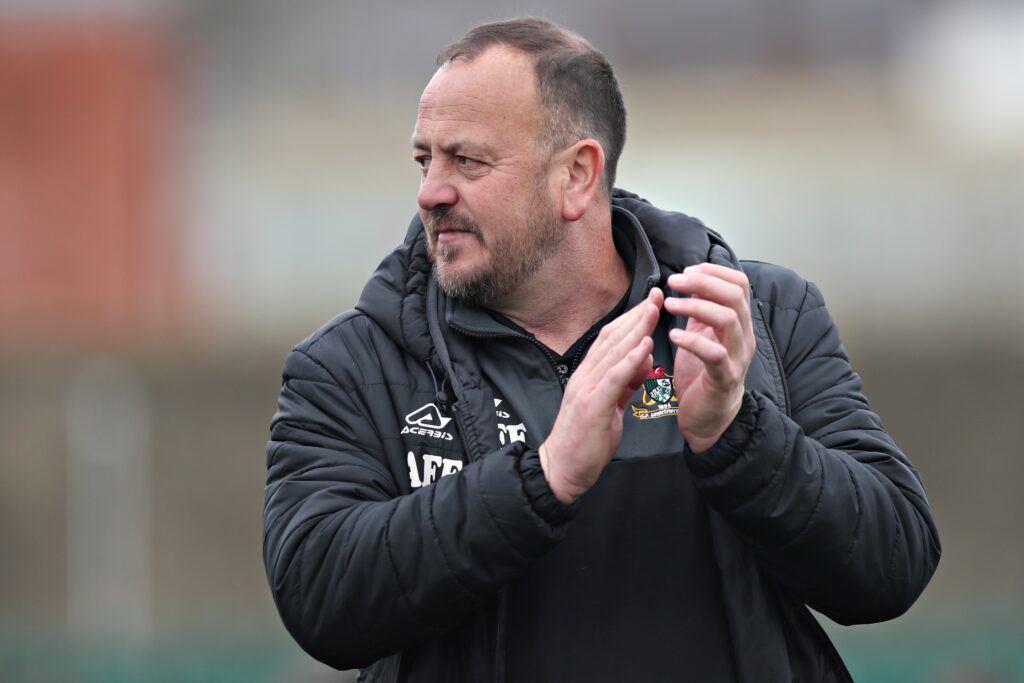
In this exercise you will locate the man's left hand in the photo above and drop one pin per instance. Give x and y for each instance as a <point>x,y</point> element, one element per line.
<point>713,352</point>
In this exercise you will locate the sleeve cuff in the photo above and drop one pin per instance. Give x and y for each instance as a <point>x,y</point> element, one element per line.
<point>730,445</point>
<point>542,498</point>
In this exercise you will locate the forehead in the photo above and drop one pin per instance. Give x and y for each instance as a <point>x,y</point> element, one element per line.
<point>493,95</point>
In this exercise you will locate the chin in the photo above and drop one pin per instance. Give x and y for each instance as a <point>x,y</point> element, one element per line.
<point>449,273</point>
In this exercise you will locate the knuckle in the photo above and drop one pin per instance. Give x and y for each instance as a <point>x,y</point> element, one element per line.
<point>737,292</point>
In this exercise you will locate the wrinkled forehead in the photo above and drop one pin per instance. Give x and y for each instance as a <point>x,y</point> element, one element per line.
<point>496,88</point>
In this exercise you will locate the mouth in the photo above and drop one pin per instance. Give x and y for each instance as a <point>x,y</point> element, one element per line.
<point>449,235</point>
<point>448,228</point>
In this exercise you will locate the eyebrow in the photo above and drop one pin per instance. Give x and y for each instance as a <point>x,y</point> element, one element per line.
<point>453,148</point>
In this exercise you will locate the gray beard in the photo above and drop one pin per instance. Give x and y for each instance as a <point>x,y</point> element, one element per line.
<point>479,290</point>
<point>512,258</point>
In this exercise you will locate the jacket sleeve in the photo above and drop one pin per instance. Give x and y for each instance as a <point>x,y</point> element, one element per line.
<point>826,502</point>
<point>360,571</point>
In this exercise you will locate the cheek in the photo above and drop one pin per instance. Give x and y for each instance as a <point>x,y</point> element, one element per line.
<point>501,201</point>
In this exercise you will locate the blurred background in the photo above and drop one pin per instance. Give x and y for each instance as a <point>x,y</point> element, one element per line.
<point>189,188</point>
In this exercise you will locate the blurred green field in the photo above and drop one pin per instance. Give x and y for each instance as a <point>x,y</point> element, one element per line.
<point>938,649</point>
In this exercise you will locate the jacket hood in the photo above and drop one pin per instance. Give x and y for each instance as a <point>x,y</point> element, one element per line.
<point>677,240</point>
<point>395,297</point>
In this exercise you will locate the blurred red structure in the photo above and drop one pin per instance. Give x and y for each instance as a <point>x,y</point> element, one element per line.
<point>88,256</point>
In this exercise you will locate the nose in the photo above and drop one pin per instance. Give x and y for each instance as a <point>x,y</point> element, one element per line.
<point>436,189</point>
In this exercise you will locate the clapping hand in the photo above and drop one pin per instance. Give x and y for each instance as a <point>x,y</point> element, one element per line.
<point>713,351</point>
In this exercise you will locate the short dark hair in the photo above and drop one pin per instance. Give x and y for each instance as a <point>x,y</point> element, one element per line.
<point>579,95</point>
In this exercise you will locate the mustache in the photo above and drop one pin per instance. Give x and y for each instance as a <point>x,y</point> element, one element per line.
<point>444,218</point>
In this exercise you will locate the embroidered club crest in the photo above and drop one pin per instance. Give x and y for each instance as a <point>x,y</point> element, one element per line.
<point>659,396</point>
<point>657,387</point>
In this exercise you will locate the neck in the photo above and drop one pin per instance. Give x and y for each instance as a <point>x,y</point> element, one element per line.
<point>574,288</point>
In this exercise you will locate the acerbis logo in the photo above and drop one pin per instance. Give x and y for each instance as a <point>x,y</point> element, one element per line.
<point>429,416</point>
<point>427,421</point>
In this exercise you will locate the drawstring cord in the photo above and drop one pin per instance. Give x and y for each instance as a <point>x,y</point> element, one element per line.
<point>439,394</point>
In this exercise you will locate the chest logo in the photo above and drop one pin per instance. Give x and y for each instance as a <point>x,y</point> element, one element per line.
<point>427,421</point>
<point>659,396</point>
<point>434,467</point>
<point>507,431</point>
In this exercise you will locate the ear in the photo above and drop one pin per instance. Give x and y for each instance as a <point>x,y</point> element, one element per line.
<point>583,177</point>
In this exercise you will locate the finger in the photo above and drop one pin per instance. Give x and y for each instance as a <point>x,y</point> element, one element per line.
<point>623,324</point>
<point>710,287</point>
<point>620,376</point>
<point>713,288</point>
<point>724,320</point>
<point>709,312</point>
<point>621,335</point>
<point>710,352</point>
<point>642,371</point>
<point>737,277</point>
<point>656,296</point>
<point>640,312</point>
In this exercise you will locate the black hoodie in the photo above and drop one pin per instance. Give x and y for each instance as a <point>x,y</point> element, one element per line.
<point>400,520</point>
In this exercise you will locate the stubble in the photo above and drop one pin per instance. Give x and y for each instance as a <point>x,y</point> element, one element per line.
<point>512,255</point>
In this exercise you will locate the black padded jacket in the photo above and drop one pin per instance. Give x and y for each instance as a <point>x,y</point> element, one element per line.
<point>810,503</point>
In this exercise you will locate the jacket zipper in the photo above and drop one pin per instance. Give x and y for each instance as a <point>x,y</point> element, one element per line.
<point>470,447</point>
<point>552,361</point>
<point>471,451</point>
<point>584,347</point>
<point>502,616</point>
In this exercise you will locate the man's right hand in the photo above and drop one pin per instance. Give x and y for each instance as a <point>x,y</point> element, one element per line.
<point>588,427</point>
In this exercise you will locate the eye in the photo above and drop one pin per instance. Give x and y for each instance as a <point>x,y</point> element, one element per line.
<point>467,163</point>
<point>423,161</point>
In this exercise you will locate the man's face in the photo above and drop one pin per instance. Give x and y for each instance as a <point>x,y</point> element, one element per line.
<point>485,197</point>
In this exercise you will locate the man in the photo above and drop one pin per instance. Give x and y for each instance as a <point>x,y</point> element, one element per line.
<point>566,436</point>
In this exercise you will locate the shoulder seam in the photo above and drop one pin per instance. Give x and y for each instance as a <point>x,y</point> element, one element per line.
<point>343,318</point>
<point>320,365</point>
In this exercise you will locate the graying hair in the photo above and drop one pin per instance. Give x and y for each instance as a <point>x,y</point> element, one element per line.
<point>578,91</point>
